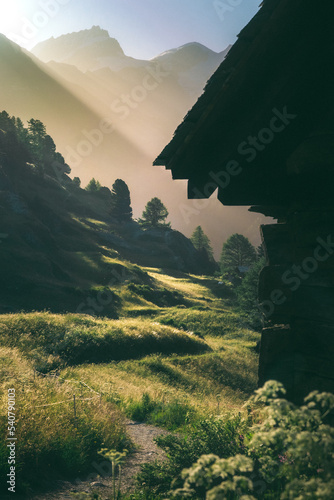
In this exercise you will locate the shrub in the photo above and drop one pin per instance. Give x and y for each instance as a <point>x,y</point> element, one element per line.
<point>214,478</point>
<point>291,449</point>
<point>222,436</point>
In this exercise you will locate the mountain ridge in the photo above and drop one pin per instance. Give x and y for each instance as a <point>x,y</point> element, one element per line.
<point>94,48</point>
<point>74,105</point>
<point>97,34</point>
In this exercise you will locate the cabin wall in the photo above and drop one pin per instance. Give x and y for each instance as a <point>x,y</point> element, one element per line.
<point>296,293</point>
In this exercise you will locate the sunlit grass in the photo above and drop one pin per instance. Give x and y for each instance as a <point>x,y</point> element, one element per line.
<point>51,439</point>
<point>177,353</point>
<point>98,223</point>
<point>52,340</point>
<point>225,379</point>
<point>190,286</point>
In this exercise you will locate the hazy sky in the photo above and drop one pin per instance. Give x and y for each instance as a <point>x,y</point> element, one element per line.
<point>144,28</point>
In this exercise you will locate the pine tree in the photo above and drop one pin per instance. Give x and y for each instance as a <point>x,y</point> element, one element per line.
<point>201,242</point>
<point>93,186</point>
<point>154,215</point>
<point>237,252</point>
<point>36,137</point>
<point>121,202</point>
<point>247,294</point>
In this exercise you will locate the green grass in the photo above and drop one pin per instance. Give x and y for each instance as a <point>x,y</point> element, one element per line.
<point>53,341</point>
<point>207,384</point>
<point>207,322</point>
<point>51,441</point>
<point>169,414</point>
<point>221,436</point>
<point>178,354</point>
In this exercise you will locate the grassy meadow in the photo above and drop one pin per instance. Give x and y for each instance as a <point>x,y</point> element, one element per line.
<point>177,353</point>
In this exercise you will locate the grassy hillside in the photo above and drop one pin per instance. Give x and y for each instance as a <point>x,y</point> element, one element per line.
<point>99,322</point>
<point>51,341</point>
<point>52,441</point>
<point>62,249</point>
<point>167,365</point>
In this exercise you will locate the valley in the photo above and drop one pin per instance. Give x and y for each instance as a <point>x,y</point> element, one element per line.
<point>103,319</point>
<point>111,115</point>
<point>151,346</point>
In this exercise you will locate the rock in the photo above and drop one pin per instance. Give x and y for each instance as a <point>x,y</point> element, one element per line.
<point>97,484</point>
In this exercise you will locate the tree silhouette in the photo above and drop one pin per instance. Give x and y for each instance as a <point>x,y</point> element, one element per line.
<point>260,251</point>
<point>201,242</point>
<point>36,137</point>
<point>93,186</point>
<point>248,292</point>
<point>237,252</point>
<point>121,202</point>
<point>32,144</point>
<point>154,215</point>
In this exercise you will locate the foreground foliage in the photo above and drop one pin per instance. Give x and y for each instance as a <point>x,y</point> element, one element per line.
<point>288,455</point>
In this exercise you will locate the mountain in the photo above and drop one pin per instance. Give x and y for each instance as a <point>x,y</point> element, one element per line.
<point>93,49</point>
<point>192,63</point>
<point>112,123</point>
<point>88,50</point>
<point>29,90</point>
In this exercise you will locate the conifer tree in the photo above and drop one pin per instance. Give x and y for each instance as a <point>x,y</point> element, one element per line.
<point>93,186</point>
<point>201,242</point>
<point>237,252</point>
<point>154,215</point>
<point>121,202</point>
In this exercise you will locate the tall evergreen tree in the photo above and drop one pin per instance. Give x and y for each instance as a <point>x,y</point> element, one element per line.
<point>121,202</point>
<point>93,186</point>
<point>154,215</point>
<point>248,292</point>
<point>36,137</point>
<point>201,242</point>
<point>237,252</point>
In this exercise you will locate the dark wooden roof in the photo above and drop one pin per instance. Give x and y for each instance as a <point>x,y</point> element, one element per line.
<point>282,63</point>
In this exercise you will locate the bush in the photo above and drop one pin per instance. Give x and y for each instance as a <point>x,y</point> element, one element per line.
<point>215,478</point>
<point>290,449</point>
<point>216,435</point>
<point>141,410</point>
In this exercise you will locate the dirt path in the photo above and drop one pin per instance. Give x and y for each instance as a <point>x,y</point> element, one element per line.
<point>142,436</point>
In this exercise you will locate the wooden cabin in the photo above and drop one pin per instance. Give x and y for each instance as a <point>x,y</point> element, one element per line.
<point>262,135</point>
